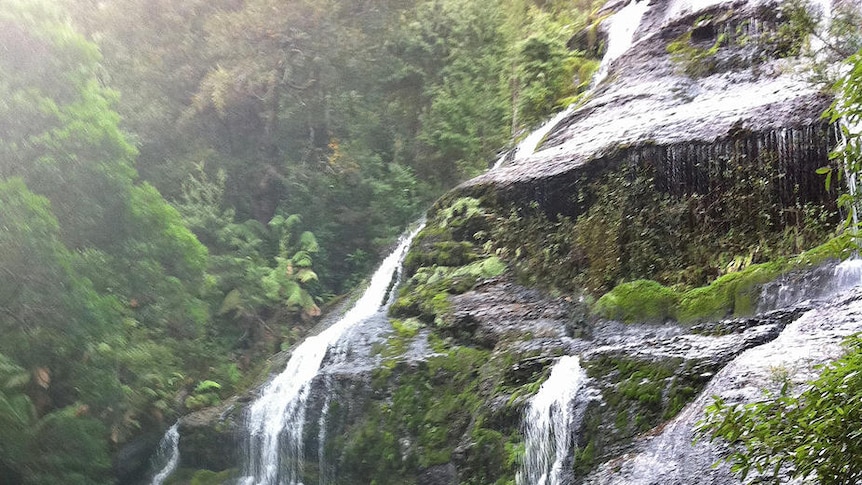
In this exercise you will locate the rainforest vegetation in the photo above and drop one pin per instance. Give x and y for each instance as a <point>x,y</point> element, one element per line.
<point>186,186</point>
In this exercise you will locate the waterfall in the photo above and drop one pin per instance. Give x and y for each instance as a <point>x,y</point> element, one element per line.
<point>623,25</point>
<point>276,420</point>
<point>550,416</point>
<point>168,456</point>
<point>548,424</point>
<point>819,283</point>
<point>621,34</point>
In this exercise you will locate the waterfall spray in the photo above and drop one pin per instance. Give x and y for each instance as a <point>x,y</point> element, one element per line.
<point>276,420</point>
<point>168,457</point>
<point>548,424</point>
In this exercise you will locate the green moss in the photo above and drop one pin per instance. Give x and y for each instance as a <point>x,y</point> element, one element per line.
<point>640,300</point>
<point>460,210</point>
<point>426,294</point>
<point>635,391</point>
<point>733,294</point>
<point>838,248</point>
<point>444,253</point>
<point>695,61</point>
<point>638,395</point>
<point>423,412</point>
<point>207,477</point>
<point>406,328</point>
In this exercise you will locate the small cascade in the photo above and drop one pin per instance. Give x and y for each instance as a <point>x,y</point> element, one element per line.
<point>168,456</point>
<point>819,283</point>
<point>671,455</point>
<point>621,33</point>
<point>324,471</point>
<point>276,420</point>
<point>548,424</point>
<point>530,144</point>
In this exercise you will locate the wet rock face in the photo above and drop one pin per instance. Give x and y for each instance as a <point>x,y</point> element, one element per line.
<point>502,310</point>
<point>646,374</point>
<point>210,439</point>
<point>131,463</point>
<point>438,475</point>
<point>640,376</point>
<point>702,85</point>
<point>668,456</point>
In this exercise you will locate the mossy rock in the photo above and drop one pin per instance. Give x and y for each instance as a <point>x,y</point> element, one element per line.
<point>207,477</point>
<point>443,253</point>
<point>641,300</point>
<point>426,293</point>
<point>733,294</point>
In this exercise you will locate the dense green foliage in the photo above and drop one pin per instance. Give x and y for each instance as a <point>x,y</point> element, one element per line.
<point>631,229</point>
<point>812,434</point>
<point>98,269</point>
<point>280,146</point>
<point>352,116</point>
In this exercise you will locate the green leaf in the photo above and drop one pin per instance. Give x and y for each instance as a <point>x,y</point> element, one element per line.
<point>232,301</point>
<point>207,386</point>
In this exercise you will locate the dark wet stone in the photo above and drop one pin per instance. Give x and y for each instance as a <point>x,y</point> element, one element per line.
<point>445,474</point>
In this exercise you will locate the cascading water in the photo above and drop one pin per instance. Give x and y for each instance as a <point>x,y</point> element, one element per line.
<point>819,283</point>
<point>550,418</point>
<point>276,420</point>
<point>167,458</point>
<point>669,456</point>
<point>529,144</point>
<point>548,424</point>
<point>621,33</point>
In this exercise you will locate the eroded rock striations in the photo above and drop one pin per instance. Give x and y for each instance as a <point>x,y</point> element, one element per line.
<point>699,89</point>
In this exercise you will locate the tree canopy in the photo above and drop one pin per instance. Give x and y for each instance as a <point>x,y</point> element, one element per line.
<point>185,185</point>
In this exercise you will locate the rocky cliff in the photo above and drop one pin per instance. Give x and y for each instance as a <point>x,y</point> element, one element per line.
<point>703,84</point>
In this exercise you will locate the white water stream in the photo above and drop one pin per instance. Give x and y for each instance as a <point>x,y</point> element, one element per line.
<point>276,419</point>
<point>621,30</point>
<point>550,418</point>
<point>167,458</point>
<point>621,33</point>
<point>548,424</point>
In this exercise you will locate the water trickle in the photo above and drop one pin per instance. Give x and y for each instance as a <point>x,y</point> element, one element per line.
<point>621,34</point>
<point>168,456</point>
<point>325,471</point>
<point>276,420</point>
<point>819,283</point>
<point>548,424</point>
<point>621,30</point>
<point>530,144</point>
